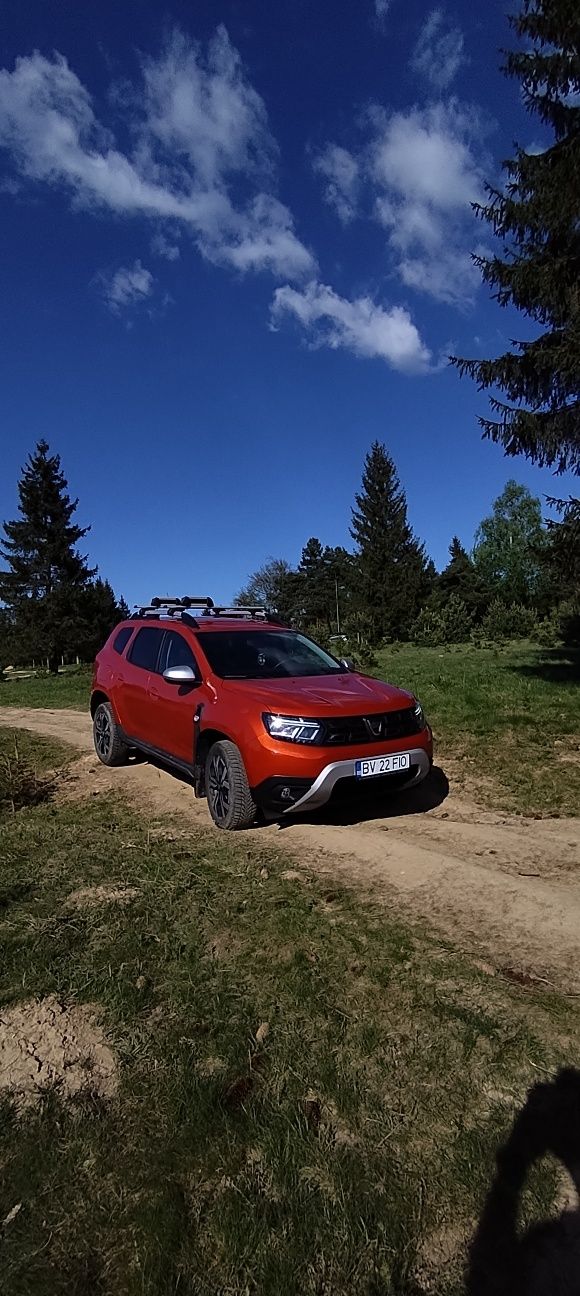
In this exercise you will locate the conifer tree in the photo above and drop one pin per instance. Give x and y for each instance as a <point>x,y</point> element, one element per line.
<point>394,572</point>
<point>537,270</point>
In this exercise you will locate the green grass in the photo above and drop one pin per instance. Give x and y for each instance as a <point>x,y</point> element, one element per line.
<point>509,718</point>
<point>69,689</point>
<point>328,1159</point>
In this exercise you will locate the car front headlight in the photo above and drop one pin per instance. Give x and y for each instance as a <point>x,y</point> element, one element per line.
<point>291,728</point>
<point>419,714</point>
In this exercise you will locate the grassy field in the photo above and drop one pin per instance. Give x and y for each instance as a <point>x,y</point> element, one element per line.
<point>307,1094</point>
<point>69,689</point>
<point>508,718</point>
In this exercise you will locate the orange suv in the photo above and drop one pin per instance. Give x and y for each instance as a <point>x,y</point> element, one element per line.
<point>262,719</point>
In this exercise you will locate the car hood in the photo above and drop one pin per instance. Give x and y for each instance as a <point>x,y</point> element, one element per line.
<point>315,695</point>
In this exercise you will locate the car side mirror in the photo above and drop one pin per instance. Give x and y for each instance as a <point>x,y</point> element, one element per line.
<point>181,675</point>
<point>347,664</point>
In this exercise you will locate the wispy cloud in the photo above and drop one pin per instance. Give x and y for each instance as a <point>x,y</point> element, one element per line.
<point>426,174</point>
<point>361,326</point>
<point>340,170</point>
<point>439,52</point>
<point>203,155</point>
<point>417,173</point>
<point>125,287</point>
<point>381,9</point>
<point>165,247</point>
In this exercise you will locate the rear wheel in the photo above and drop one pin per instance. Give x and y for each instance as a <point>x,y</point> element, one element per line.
<point>110,747</point>
<point>228,792</point>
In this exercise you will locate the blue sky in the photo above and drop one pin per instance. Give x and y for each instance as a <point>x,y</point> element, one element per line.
<point>236,241</point>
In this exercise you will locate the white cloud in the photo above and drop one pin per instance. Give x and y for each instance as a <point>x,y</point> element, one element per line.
<point>427,170</point>
<point>438,54</point>
<point>164,247</point>
<point>127,286</point>
<point>361,326</point>
<point>200,137</point>
<point>382,8</point>
<point>417,174</point>
<point>341,172</point>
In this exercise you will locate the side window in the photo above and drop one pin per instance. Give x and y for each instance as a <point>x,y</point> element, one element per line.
<point>145,648</point>
<point>122,639</point>
<point>176,652</point>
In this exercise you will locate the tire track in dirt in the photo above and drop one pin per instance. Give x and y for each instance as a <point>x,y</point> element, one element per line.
<point>504,886</point>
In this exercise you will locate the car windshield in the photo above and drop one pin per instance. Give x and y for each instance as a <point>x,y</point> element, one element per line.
<point>265,654</point>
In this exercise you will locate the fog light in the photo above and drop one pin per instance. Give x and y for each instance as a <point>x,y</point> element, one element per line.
<point>286,794</point>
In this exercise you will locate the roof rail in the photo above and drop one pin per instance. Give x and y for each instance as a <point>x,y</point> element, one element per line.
<point>181,609</point>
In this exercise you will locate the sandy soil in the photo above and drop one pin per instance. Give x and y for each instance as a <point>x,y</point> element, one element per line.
<point>503,886</point>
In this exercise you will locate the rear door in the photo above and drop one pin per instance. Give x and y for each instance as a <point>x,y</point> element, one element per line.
<point>173,705</point>
<point>137,711</point>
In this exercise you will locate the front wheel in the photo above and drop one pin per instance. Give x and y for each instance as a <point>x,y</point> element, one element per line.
<point>230,800</point>
<point>110,747</point>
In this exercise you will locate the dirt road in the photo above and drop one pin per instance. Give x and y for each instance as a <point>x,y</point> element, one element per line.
<point>505,887</point>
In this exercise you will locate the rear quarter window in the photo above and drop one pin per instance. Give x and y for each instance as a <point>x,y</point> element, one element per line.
<point>122,639</point>
<point>144,650</point>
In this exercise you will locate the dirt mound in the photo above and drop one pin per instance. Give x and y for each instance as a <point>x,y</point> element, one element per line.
<point>44,1046</point>
<point>94,897</point>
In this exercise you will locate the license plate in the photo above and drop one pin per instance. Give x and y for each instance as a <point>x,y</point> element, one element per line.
<point>373,765</point>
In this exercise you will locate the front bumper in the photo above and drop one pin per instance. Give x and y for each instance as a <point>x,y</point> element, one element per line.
<point>273,798</point>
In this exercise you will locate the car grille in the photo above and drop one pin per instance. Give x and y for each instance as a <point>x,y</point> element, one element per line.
<point>346,731</point>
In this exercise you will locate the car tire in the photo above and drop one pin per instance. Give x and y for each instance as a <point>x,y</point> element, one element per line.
<point>229,798</point>
<point>110,746</point>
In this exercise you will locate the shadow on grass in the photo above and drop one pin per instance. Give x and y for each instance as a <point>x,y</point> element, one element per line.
<point>544,1260</point>
<point>365,805</point>
<point>556,666</point>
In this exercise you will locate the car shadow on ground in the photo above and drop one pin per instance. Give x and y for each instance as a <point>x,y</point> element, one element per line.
<point>366,806</point>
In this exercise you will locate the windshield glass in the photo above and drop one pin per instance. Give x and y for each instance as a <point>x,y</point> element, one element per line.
<point>265,654</point>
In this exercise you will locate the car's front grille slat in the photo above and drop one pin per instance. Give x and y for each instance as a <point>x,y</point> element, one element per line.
<point>346,731</point>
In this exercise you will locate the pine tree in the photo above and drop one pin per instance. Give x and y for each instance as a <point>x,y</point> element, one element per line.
<point>393,570</point>
<point>460,580</point>
<point>46,574</point>
<point>538,218</point>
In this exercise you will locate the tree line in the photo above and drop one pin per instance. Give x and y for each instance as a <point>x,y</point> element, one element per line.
<point>514,583</point>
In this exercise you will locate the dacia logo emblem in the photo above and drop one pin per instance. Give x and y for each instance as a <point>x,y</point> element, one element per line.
<point>375,724</point>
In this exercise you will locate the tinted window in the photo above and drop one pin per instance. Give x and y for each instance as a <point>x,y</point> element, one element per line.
<point>122,638</point>
<point>265,654</point>
<point>145,648</point>
<point>176,652</point>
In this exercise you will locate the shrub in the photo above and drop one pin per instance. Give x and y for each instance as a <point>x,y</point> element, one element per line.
<point>451,623</point>
<point>509,621</point>
<point>20,785</point>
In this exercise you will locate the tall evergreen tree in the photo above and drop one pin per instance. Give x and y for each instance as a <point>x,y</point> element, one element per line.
<point>394,572</point>
<point>53,605</point>
<point>537,216</point>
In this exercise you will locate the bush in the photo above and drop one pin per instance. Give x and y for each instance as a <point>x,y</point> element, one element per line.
<point>20,785</point>
<point>509,621</point>
<point>451,623</point>
<point>569,622</point>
